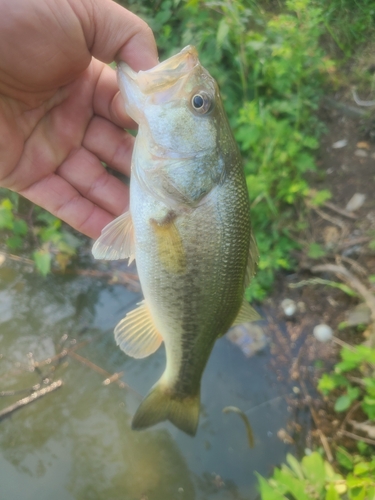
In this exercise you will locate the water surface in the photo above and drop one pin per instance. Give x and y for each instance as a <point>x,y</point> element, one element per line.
<point>76,443</point>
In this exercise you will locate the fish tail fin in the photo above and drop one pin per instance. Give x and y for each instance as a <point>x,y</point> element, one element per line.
<point>160,404</point>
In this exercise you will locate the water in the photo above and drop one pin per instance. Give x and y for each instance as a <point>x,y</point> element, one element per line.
<point>76,443</point>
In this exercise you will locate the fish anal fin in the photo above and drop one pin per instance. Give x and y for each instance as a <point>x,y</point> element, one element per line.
<point>160,404</point>
<point>169,245</point>
<point>246,314</point>
<point>252,260</point>
<point>136,334</point>
<point>117,240</point>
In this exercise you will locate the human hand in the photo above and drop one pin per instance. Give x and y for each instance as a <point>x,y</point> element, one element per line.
<point>61,114</point>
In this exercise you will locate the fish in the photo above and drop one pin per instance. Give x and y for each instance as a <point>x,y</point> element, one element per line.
<point>188,228</point>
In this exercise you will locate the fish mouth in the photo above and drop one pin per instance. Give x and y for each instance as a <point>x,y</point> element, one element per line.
<point>164,75</point>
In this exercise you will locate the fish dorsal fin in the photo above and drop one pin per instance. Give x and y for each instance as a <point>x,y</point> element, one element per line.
<point>169,244</point>
<point>117,240</point>
<point>136,334</point>
<point>252,261</point>
<point>246,314</point>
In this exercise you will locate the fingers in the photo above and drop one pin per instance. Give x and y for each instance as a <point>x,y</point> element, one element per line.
<point>87,175</point>
<point>112,32</point>
<point>57,196</point>
<point>110,143</point>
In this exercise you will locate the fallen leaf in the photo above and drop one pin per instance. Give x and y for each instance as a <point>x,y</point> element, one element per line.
<point>363,145</point>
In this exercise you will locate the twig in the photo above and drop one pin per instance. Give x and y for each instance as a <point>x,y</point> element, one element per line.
<point>358,438</point>
<point>348,415</point>
<point>351,111</point>
<point>323,438</point>
<point>329,218</point>
<point>353,282</point>
<point>339,210</point>
<point>17,258</point>
<point>353,242</point>
<point>29,399</point>
<point>357,267</point>
<point>249,430</point>
<point>342,343</point>
<point>359,101</point>
<point>60,355</point>
<point>103,372</point>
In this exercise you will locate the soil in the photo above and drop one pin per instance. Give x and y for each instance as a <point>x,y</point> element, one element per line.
<point>345,237</point>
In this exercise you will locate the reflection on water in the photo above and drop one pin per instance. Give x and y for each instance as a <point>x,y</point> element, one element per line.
<point>76,443</point>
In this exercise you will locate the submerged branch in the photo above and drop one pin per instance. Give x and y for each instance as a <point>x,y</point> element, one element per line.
<point>29,399</point>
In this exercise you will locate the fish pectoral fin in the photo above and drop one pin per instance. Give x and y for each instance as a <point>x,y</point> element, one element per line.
<point>252,260</point>
<point>169,245</point>
<point>136,334</point>
<point>160,404</point>
<point>117,240</point>
<point>246,314</point>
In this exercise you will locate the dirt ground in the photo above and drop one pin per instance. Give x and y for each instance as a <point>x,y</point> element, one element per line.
<point>347,166</point>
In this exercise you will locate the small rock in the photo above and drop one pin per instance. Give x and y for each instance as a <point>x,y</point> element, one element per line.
<point>340,144</point>
<point>289,307</point>
<point>359,315</point>
<point>323,332</point>
<point>363,145</point>
<point>301,307</point>
<point>284,436</point>
<point>248,337</point>
<point>361,153</point>
<point>355,202</point>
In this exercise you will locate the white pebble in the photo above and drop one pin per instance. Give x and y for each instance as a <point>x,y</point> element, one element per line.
<point>355,202</point>
<point>340,144</point>
<point>289,307</point>
<point>323,333</point>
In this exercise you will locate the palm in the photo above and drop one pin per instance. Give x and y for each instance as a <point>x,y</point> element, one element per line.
<point>60,122</point>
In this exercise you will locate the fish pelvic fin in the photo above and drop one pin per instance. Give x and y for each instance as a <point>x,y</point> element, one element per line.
<point>117,240</point>
<point>136,334</point>
<point>161,404</point>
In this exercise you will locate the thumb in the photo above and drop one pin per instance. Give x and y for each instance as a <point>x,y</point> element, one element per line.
<point>114,33</point>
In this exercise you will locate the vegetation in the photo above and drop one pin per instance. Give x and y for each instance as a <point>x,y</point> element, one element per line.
<point>273,61</point>
<point>269,61</point>
<point>35,232</point>
<point>315,479</point>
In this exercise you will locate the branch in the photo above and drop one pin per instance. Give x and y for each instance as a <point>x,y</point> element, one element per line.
<point>29,399</point>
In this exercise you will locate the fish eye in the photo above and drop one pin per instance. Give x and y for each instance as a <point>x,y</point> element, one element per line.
<point>201,102</point>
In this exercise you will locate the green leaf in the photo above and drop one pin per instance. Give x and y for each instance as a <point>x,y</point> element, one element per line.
<point>342,403</point>
<point>20,227</point>
<point>42,260</point>
<point>6,218</point>
<point>332,493</point>
<point>294,486</point>
<point>267,491</point>
<point>344,458</point>
<point>328,383</point>
<point>361,468</point>
<point>222,32</point>
<point>14,242</point>
<point>320,197</point>
<point>316,251</point>
<point>295,466</point>
<point>313,466</point>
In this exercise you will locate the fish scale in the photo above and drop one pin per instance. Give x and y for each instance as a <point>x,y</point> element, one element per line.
<point>188,227</point>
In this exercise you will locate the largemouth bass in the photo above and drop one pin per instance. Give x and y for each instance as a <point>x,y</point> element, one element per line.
<point>188,227</point>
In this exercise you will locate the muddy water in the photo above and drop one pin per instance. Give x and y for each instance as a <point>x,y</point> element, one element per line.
<point>76,443</point>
